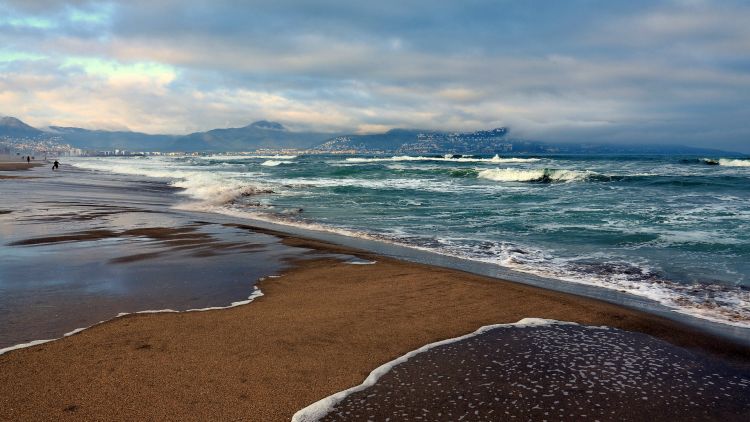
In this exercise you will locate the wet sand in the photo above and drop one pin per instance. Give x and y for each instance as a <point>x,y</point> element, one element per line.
<point>555,372</point>
<point>319,329</point>
<point>15,166</point>
<point>74,252</point>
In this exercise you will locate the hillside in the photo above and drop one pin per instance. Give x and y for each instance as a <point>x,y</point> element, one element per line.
<point>14,128</point>
<point>273,135</point>
<point>261,134</point>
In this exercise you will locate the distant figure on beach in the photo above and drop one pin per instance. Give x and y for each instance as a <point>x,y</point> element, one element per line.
<point>55,165</point>
<point>28,159</point>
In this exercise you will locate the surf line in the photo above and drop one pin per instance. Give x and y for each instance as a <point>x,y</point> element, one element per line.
<point>254,295</point>
<point>322,407</point>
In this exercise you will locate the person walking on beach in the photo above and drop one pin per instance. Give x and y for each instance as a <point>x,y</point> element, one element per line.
<point>28,159</point>
<point>55,165</point>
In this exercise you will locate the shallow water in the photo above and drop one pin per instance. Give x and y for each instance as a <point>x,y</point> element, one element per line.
<point>567,372</point>
<point>76,250</point>
<point>672,229</point>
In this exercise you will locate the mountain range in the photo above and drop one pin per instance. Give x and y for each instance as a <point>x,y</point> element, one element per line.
<point>261,134</point>
<point>272,135</point>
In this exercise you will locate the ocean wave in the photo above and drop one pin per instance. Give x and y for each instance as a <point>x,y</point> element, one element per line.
<point>708,161</point>
<point>729,162</point>
<point>274,163</point>
<point>451,159</point>
<point>218,191</point>
<point>247,157</point>
<point>715,302</point>
<point>425,185</point>
<point>533,175</point>
<point>209,187</point>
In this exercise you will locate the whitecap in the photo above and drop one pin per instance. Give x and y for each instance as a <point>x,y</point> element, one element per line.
<point>274,163</point>
<point>446,158</point>
<point>532,175</point>
<point>729,162</point>
<point>247,157</point>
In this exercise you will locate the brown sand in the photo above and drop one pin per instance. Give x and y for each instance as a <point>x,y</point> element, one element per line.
<point>319,329</point>
<point>14,166</point>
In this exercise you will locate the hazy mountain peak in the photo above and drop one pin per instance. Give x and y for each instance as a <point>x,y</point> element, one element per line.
<point>11,126</point>
<point>9,121</point>
<point>265,124</point>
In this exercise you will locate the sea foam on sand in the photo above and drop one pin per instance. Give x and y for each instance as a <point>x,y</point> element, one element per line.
<point>320,408</point>
<point>256,294</point>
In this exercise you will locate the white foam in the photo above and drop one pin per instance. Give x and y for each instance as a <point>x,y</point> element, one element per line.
<point>247,157</point>
<point>495,159</point>
<point>321,408</point>
<point>210,187</point>
<point>731,306</point>
<point>274,163</point>
<point>734,162</point>
<point>374,183</point>
<point>256,294</point>
<point>531,175</point>
<point>216,190</point>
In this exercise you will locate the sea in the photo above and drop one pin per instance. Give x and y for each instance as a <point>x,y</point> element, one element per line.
<point>672,229</point>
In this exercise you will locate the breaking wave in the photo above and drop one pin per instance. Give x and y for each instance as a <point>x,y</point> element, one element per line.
<point>720,303</point>
<point>247,157</point>
<point>206,187</point>
<point>218,190</point>
<point>729,162</point>
<point>726,162</point>
<point>709,161</point>
<point>274,163</point>
<point>533,175</point>
<point>448,158</point>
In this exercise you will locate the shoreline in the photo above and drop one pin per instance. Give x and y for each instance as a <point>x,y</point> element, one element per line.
<point>319,328</point>
<point>731,332</point>
<point>254,295</point>
<point>710,315</point>
<point>274,357</point>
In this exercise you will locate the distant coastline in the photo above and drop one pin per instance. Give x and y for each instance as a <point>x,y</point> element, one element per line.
<point>15,135</point>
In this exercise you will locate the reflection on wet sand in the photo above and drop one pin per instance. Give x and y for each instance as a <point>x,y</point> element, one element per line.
<point>72,257</point>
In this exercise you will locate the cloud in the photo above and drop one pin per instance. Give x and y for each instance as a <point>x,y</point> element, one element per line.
<point>668,71</point>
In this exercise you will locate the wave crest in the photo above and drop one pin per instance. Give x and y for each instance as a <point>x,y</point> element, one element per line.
<point>533,175</point>
<point>206,187</point>
<point>450,159</point>
<point>274,163</point>
<point>730,162</point>
<point>228,157</point>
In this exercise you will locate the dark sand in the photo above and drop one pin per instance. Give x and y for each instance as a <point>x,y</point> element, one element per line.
<point>319,329</point>
<point>554,372</point>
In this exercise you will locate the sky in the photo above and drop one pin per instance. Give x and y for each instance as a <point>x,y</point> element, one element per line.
<point>577,70</point>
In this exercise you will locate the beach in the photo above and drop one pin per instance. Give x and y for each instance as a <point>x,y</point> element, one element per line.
<point>327,317</point>
<point>13,164</point>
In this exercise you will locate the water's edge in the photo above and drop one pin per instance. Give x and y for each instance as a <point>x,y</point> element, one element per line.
<point>733,333</point>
